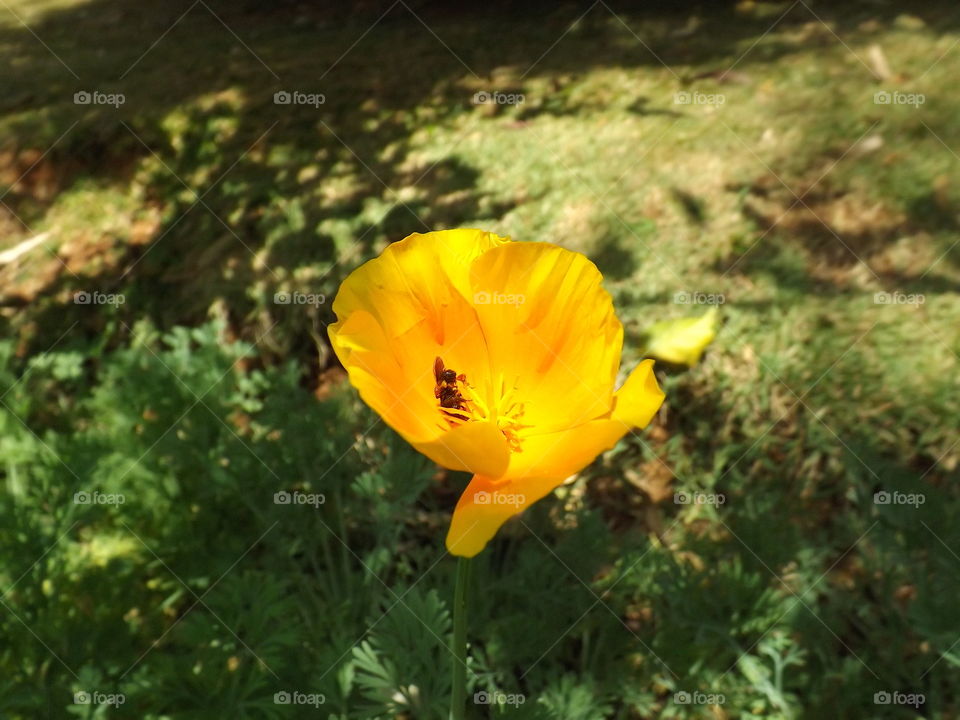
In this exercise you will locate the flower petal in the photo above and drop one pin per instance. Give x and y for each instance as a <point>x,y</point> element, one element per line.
<point>639,398</point>
<point>396,314</point>
<point>551,331</point>
<point>683,340</point>
<point>546,461</point>
<point>485,505</point>
<point>382,384</point>
<point>426,266</point>
<point>470,447</point>
<point>565,452</point>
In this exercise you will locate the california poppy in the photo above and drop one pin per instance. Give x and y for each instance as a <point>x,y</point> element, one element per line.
<point>492,357</point>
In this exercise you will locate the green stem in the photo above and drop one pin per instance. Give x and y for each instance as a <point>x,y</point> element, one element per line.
<point>458,698</point>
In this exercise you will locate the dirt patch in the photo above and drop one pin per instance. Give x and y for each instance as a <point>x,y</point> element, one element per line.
<point>837,228</point>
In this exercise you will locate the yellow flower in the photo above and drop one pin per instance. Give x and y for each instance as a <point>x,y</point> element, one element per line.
<point>533,344</point>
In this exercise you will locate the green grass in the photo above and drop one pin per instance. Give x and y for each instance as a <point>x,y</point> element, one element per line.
<point>799,597</point>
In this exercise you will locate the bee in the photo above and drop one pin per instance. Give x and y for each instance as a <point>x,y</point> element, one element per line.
<point>446,389</point>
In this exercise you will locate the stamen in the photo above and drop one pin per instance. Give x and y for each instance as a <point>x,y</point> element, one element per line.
<point>509,409</point>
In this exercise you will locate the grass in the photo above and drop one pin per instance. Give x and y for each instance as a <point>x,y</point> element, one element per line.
<point>798,199</point>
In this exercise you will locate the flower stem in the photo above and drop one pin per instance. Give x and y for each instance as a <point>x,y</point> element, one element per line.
<point>458,698</point>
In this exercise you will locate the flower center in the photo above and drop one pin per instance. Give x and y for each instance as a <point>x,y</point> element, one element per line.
<point>510,411</point>
<point>460,402</point>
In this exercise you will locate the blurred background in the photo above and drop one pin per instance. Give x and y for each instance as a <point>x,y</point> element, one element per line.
<point>198,518</point>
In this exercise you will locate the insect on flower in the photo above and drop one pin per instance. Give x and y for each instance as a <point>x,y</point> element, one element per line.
<point>446,389</point>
